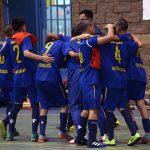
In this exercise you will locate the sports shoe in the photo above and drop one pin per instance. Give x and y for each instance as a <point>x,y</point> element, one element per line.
<point>64,135</point>
<point>80,142</point>
<point>42,139</point>
<point>34,137</point>
<point>2,130</point>
<point>145,139</point>
<point>72,129</point>
<point>72,141</point>
<point>110,142</point>
<point>117,123</point>
<point>96,145</point>
<point>16,133</point>
<point>104,138</point>
<point>10,136</point>
<point>134,139</point>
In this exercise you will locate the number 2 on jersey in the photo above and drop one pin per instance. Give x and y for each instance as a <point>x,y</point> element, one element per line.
<point>16,49</point>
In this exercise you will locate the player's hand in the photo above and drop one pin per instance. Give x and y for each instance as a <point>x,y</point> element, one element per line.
<point>47,58</point>
<point>109,26</point>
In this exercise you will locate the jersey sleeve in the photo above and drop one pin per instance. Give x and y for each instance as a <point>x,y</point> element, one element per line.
<point>66,48</point>
<point>92,42</point>
<point>4,47</point>
<point>132,47</point>
<point>27,44</point>
<point>64,38</point>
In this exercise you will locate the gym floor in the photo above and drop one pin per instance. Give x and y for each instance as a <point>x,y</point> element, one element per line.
<point>24,127</point>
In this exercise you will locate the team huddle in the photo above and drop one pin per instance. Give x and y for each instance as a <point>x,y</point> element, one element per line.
<point>105,72</point>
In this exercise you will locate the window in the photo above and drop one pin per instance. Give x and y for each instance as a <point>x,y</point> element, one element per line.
<point>59,16</point>
<point>146,9</point>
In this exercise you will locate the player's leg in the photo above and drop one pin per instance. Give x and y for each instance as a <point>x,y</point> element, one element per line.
<point>74,95</point>
<point>143,110</point>
<point>3,123</point>
<point>18,98</point>
<point>42,97</point>
<point>32,94</point>
<point>63,122</point>
<point>122,106</point>
<point>81,130</point>
<point>43,122</point>
<point>112,97</point>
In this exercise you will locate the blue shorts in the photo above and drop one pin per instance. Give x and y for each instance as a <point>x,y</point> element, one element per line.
<point>91,96</point>
<point>51,95</point>
<point>115,98</point>
<point>19,94</point>
<point>5,95</point>
<point>136,90</point>
<point>74,90</point>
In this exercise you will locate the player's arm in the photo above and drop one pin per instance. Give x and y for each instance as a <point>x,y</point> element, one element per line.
<point>73,54</point>
<point>82,36</point>
<point>109,37</point>
<point>136,40</point>
<point>53,36</point>
<point>140,44</point>
<point>45,58</point>
<point>3,48</point>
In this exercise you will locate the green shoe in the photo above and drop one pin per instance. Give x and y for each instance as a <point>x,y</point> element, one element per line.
<point>134,139</point>
<point>10,136</point>
<point>34,137</point>
<point>110,143</point>
<point>16,133</point>
<point>2,130</point>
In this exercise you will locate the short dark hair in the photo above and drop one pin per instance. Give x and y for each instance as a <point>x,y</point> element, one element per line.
<point>82,26</point>
<point>122,24</point>
<point>8,31</point>
<point>75,31</point>
<point>88,13</point>
<point>17,23</point>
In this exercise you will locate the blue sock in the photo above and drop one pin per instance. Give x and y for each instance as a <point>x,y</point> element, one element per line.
<point>92,128</point>
<point>110,124</point>
<point>102,122</point>
<point>63,121</point>
<point>70,121</point>
<point>81,132</point>
<point>13,116</point>
<point>115,119</point>
<point>8,108</point>
<point>129,121</point>
<point>146,125</point>
<point>43,122</point>
<point>35,117</point>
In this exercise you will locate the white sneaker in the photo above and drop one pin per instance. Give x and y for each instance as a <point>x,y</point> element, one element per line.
<point>104,138</point>
<point>72,141</point>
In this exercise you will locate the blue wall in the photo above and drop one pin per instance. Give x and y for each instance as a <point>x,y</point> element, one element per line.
<point>34,13</point>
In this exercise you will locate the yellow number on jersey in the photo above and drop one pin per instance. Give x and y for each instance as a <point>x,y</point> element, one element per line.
<point>2,59</point>
<point>48,47</point>
<point>117,55</point>
<point>81,58</point>
<point>16,48</point>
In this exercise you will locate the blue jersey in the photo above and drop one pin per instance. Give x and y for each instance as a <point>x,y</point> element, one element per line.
<point>136,69</point>
<point>89,74</point>
<point>6,68</point>
<point>51,71</point>
<point>114,58</point>
<point>24,68</point>
<point>72,63</point>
